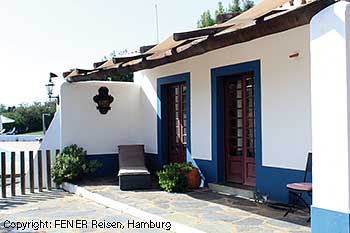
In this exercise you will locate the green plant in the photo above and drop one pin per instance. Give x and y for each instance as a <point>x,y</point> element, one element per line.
<point>236,7</point>
<point>172,178</point>
<point>71,164</point>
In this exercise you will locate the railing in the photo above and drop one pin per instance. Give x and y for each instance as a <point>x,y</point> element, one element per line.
<point>34,171</point>
<point>20,138</point>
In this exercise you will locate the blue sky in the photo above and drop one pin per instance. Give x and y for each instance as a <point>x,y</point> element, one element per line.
<point>41,36</point>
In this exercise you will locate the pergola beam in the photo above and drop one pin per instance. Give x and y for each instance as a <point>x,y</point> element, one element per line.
<point>117,60</point>
<point>198,33</point>
<point>145,48</point>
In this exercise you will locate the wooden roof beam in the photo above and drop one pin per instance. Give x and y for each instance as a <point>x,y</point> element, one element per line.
<point>276,11</point>
<point>198,33</point>
<point>117,60</point>
<point>78,72</point>
<point>145,48</point>
<point>98,64</point>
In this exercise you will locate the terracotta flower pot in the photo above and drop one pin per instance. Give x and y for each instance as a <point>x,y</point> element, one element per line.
<point>194,178</point>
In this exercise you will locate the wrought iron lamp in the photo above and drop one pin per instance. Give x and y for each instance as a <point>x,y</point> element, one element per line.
<point>49,87</point>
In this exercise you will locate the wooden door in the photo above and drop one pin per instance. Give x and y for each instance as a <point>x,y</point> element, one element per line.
<point>176,123</point>
<point>239,129</point>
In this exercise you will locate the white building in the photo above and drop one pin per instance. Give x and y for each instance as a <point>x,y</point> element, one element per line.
<point>245,101</point>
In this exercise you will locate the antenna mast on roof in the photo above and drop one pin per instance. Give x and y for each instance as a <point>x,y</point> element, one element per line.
<point>157,25</point>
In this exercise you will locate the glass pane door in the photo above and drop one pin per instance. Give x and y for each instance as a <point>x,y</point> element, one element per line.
<point>177,123</point>
<point>239,129</point>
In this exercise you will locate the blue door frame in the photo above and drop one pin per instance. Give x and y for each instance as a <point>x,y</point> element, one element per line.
<point>161,114</point>
<point>270,180</point>
<point>217,78</point>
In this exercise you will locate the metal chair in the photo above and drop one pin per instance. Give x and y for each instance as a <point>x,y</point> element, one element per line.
<point>298,189</point>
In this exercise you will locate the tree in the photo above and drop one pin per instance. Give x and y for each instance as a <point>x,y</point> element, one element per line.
<point>28,117</point>
<point>236,7</point>
<point>220,10</point>
<point>2,108</point>
<point>247,4</point>
<point>206,20</point>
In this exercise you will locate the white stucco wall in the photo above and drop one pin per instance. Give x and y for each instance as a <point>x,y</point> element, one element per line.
<point>330,66</point>
<point>84,125</point>
<point>286,118</point>
<point>51,141</point>
<point>52,137</point>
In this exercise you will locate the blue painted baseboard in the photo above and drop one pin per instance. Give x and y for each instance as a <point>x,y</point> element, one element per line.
<point>273,181</point>
<point>110,164</point>
<point>270,180</point>
<point>209,170</point>
<point>328,221</point>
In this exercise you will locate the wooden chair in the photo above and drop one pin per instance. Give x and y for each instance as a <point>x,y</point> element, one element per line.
<point>299,189</point>
<point>133,173</point>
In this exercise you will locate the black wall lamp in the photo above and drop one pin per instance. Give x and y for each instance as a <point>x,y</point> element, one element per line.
<point>49,87</point>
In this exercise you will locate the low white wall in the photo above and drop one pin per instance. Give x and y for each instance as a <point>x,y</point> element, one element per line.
<point>286,117</point>
<point>84,125</point>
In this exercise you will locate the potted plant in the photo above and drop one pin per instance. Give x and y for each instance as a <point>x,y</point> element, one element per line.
<point>179,177</point>
<point>193,177</point>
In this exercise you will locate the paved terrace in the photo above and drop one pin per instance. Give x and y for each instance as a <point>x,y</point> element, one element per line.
<point>59,205</point>
<point>205,210</point>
